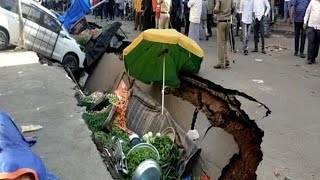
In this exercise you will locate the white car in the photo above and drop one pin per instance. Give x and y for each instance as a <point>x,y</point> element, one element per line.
<point>42,32</point>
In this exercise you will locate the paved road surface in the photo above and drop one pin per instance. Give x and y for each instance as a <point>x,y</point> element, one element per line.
<point>42,95</point>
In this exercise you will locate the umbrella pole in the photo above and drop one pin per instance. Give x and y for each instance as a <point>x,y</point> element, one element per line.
<point>163,85</point>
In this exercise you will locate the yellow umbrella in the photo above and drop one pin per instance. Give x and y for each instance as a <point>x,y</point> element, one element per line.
<point>159,55</point>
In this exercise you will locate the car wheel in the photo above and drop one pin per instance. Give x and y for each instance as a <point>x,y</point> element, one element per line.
<point>71,61</point>
<point>4,40</point>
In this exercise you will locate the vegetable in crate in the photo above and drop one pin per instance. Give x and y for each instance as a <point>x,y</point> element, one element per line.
<point>164,145</point>
<point>113,99</point>
<point>169,156</point>
<point>95,120</point>
<point>138,156</point>
<point>90,100</point>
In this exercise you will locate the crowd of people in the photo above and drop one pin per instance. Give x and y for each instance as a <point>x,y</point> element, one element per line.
<point>256,14</point>
<point>112,8</point>
<point>57,5</point>
<point>305,14</point>
<point>197,18</point>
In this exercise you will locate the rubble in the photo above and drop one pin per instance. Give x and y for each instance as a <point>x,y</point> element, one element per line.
<point>30,128</point>
<point>276,47</point>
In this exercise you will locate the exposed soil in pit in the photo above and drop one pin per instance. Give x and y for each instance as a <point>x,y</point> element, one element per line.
<point>223,110</point>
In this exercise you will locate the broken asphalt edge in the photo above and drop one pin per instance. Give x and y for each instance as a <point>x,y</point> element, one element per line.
<point>223,110</point>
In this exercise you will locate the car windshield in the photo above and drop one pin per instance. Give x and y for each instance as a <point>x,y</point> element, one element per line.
<point>57,15</point>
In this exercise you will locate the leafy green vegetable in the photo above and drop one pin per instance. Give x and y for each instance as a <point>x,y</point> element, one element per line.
<point>89,101</point>
<point>104,138</point>
<point>86,101</point>
<point>169,157</point>
<point>117,132</point>
<point>95,122</point>
<point>138,156</point>
<point>164,145</point>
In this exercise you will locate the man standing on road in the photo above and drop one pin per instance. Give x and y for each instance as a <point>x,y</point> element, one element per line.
<point>146,14</point>
<point>238,18</point>
<point>261,9</point>
<point>204,15</point>
<point>224,10</point>
<point>111,9</point>
<point>298,11</point>
<point>186,11</point>
<point>312,20</point>
<point>137,7</point>
<point>210,17</point>
<point>157,16</point>
<point>195,18</point>
<point>121,9</point>
<point>286,8</point>
<point>176,14</point>
<point>116,8</point>
<point>104,9</point>
<point>165,6</point>
<point>153,15</point>
<point>246,11</point>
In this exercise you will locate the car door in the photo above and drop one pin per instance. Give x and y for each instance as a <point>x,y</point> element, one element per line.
<point>9,9</point>
<point>32,30</point>
<point>52,39</point>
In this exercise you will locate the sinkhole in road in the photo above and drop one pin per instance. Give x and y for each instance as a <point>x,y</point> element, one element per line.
<point>219,106</point>
<point>222,110</point>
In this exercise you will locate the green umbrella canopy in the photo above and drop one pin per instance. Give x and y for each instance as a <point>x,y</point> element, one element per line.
<point>156,49</point>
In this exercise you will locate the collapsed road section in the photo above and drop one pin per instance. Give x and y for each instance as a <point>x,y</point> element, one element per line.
<point>220,106</point>
<point>223,110</point>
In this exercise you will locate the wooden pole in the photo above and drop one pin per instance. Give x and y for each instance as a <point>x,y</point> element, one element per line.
<point>21,24</point>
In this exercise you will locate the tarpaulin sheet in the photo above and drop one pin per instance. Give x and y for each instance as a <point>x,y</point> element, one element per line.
<point>16,156</point>
<point>77,10</point>
<point>144,115</point>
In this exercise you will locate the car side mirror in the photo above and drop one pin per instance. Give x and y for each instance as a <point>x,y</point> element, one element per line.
<point>63,34</point>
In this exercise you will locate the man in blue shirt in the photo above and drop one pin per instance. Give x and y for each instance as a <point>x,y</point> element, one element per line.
<point>298,10</point>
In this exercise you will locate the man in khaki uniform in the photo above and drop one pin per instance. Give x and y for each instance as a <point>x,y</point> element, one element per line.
<point>165,7</point>
<point>223,9</point>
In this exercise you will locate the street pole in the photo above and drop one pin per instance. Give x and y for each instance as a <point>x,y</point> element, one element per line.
<point>21,24</point>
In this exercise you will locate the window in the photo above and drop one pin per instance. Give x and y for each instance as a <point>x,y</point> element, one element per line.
<point>10,5</point>
<point>50,23</point>
<point>31,13</point>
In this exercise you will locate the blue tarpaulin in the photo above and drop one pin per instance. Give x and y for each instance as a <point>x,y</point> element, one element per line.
<point>16,156</point>
<point>77,10</point>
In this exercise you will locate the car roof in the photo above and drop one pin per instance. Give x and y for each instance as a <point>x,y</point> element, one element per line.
<point>31,2</point>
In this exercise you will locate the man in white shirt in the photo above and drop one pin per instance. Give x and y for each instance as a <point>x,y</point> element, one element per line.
<point>195,19</point>
<point>261,9</point>
<point>165,7</point>
<point>312,21</point>
<point>246,11</point>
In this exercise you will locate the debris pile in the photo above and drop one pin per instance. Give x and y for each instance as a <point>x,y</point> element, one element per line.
<point>276,47</point>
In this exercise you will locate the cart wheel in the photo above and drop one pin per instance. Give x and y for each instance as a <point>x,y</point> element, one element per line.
<point>4,40</point>
<point>71,61</point>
